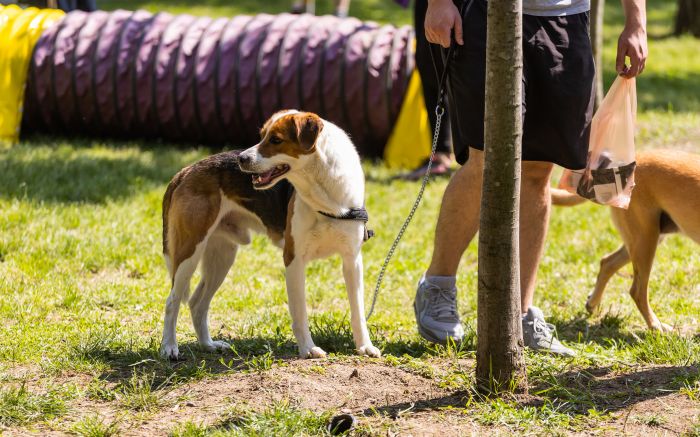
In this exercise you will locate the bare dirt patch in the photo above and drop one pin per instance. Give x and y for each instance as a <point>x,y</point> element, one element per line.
<point>312,385</point>
<point>392,400</point>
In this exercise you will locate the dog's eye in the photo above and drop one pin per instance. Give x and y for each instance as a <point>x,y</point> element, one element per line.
<point>275,140</point>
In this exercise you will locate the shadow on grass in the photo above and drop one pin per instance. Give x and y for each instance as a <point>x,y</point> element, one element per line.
<point>250,353</point>
<point>120,362</point>
<point>605,330</point>
<point>606,390</point>
<point>72,171</point>
<point>573,393</point>
<point>246,354</point>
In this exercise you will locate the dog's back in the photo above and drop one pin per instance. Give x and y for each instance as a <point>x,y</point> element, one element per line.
<point>667,192</point>
<point>194,196</point>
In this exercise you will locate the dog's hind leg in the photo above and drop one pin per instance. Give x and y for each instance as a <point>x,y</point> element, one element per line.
<point>640,230</point>
<point>352,271</point>
<point>218,258</point>
<point>609,265</point>
<point>642,259</point>
<point>179,292</point>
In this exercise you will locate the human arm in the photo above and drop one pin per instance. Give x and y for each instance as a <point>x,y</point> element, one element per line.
<point>441,17</point>
<point>633,39</point>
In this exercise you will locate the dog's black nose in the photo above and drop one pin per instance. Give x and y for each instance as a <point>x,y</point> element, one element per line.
<point>243,159</point>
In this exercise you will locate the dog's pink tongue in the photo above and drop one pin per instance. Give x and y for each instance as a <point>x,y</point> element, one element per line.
<point>263,178</point>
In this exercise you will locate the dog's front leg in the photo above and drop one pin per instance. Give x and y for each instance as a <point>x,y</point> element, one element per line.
<point>352,271</point>
<point>296,296</point>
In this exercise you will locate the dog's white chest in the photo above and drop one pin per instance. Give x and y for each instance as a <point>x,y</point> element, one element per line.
<point>316,236</point>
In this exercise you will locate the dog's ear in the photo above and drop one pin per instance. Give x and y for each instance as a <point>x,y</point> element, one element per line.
<point>308,126</point>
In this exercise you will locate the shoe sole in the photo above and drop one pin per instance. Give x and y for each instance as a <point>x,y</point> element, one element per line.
<point>552,352</point>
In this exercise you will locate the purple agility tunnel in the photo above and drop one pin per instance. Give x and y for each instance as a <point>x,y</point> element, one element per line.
<point>215,81</point>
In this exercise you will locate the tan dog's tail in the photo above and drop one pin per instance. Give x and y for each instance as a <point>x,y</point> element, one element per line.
<point>562,197</point>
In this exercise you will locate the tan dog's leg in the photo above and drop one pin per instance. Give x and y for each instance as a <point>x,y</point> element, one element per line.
<point>296,296</point>
<point>218,258</point>
<point>352,271</point>
<point>642,259</point>
<point>609,265</point>
<point>640,231</point>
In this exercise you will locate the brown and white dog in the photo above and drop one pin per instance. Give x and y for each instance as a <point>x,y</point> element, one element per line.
<point>666,199</point>
<point>302,170</point>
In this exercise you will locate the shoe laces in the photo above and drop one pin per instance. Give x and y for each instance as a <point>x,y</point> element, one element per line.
<point>543,328</point>
<point>443,304</point>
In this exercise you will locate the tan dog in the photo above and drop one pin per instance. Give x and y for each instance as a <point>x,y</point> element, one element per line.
<point>666,199</point>
<point>299,186</point>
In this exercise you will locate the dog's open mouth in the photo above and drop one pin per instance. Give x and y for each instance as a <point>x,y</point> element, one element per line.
<point>261,180</point>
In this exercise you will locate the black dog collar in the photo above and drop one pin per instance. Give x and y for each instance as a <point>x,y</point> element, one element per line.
<point>357,214</point>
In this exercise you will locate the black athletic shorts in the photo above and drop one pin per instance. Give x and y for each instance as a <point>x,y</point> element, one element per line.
<point>558,87</point>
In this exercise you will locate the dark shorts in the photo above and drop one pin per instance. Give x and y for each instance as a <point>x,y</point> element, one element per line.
<point>558,88</point>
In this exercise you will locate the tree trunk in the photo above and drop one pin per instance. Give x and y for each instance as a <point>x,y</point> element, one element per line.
<point>597,7</point>
<point>499,357</point>
<point>688,18</point>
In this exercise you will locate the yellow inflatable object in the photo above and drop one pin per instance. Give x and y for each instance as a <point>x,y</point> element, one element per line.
<point>410,141</point>
<point>19,31</point>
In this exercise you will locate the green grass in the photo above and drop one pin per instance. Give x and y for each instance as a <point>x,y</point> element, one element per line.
<point>94,426</point>
<point>280,419</point>
<point>83,284</point>
<point>19,406</point>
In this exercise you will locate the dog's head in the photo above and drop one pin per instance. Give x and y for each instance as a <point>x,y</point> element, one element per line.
<point>287,140</point>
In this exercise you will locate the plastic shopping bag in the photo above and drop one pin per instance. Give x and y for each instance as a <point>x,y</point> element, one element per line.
<point>608,178</point>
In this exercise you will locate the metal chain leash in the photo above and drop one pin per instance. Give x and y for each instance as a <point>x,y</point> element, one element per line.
<point>439,111</point>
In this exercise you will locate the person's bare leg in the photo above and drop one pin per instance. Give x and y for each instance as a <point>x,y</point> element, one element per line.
<point>435,305</point>
<point>535,206</point>
<point>458,221</point>
<point>342,8</point>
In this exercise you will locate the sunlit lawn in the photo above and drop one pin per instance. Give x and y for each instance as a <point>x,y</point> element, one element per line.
<point>82,282</point>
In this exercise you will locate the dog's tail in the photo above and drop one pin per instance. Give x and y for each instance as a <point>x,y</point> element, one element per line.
<point>167,200</point>
<point>562,197</point>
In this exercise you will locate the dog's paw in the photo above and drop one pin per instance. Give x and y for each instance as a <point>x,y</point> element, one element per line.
<point>590,305</point>
<point>369,351</point>
<point>216,345</point>
<point>170,352</point>
<point>313,352</point>
<point>661,327</point>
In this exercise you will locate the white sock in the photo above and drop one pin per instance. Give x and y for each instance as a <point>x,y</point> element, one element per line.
<point>444,282</point>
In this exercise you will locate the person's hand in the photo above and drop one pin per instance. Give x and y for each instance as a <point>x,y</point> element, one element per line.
<point>632,43</point>
<point>442,16</point>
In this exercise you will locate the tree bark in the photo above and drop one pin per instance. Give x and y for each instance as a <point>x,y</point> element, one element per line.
<point>597,8</point>
<point>499,357</point>
<point>688,18</point>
